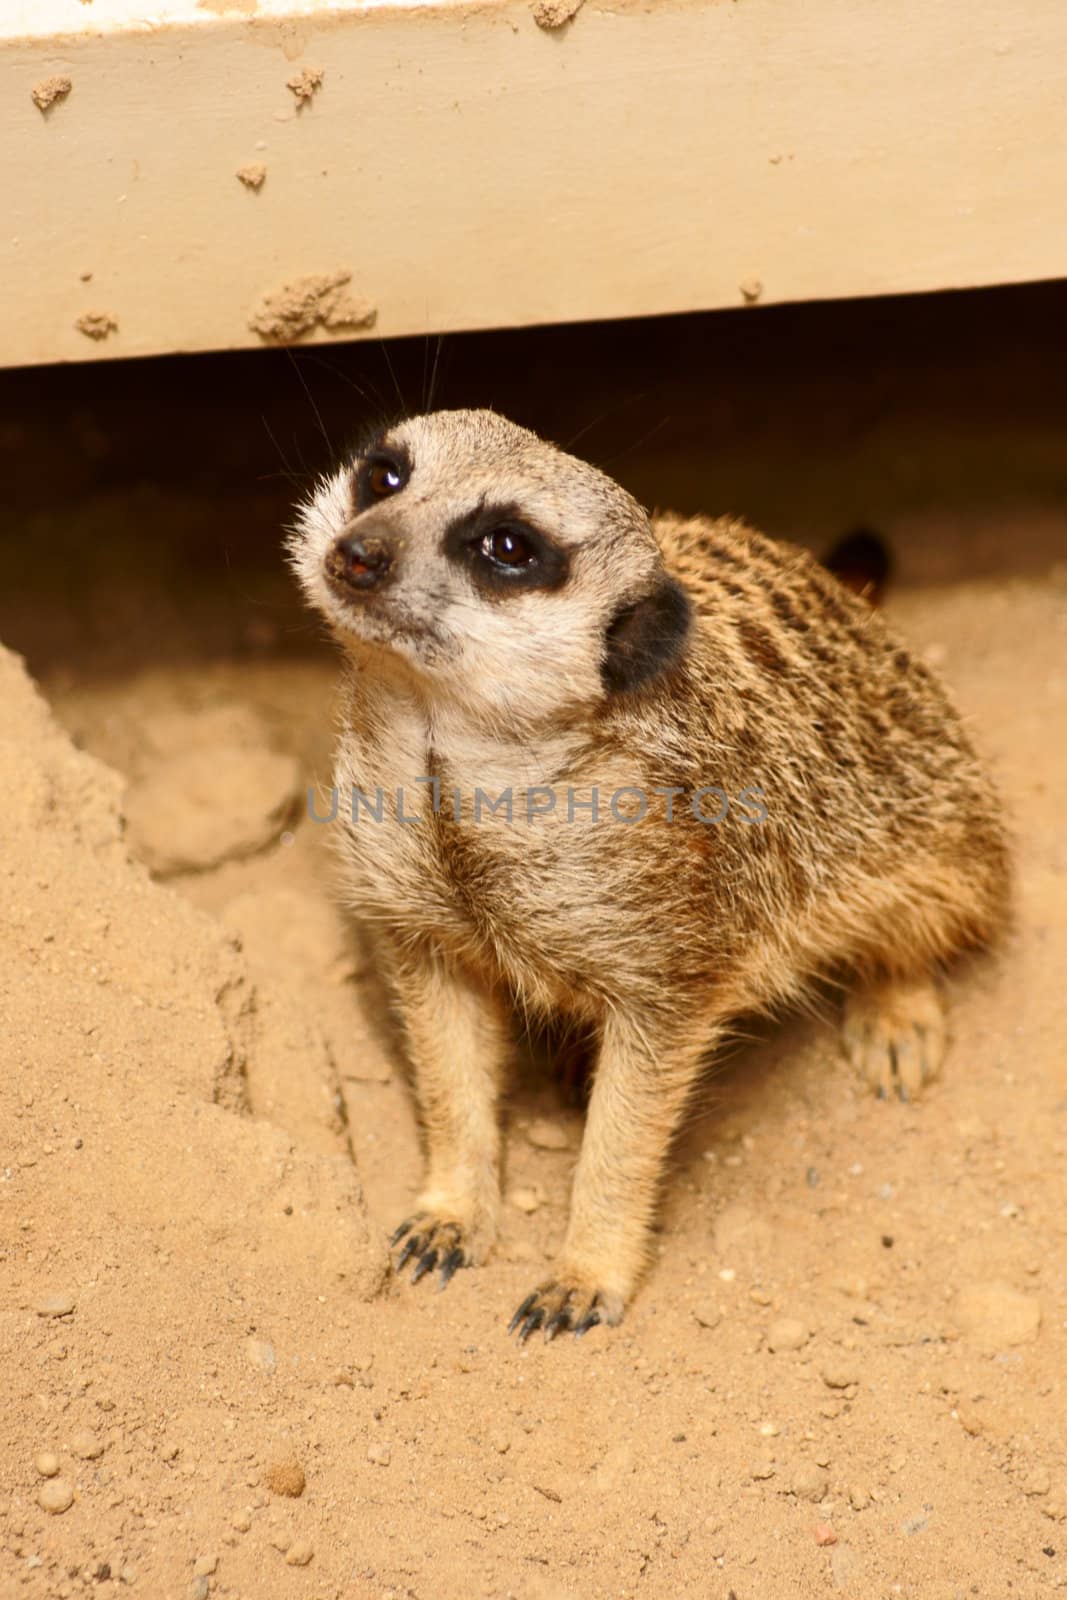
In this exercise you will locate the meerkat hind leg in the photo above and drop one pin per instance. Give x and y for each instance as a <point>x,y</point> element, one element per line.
<point>894,1034</point>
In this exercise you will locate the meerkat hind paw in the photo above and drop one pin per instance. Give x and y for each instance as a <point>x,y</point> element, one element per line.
<point>894,1035</point>
<point>431,1243</point>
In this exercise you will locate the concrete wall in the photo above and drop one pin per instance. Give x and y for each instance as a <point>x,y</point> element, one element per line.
<point>460,165</point>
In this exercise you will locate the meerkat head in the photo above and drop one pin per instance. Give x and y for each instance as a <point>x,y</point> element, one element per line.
<point>497,569</point>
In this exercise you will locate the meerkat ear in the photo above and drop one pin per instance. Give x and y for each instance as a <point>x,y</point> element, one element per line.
<point>645,637</point>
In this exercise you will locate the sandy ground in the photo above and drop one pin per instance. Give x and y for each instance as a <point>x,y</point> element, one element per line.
<point>847,1372</point>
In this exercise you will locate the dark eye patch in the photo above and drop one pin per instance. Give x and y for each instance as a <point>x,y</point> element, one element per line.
<point>383,470</point>
<point>503,551</point>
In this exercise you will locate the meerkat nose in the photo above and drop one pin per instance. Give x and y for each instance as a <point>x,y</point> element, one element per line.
<point>358,563</point>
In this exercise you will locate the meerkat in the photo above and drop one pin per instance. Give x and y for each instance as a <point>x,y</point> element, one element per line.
<point>514,623</point>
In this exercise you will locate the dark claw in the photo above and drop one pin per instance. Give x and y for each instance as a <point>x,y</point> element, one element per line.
<point>426,1263</point>
<point>450,1264</point>
<point>405,1227</point>
<point>590,1320</point>
<point>532,1323</point>
<point>903,1093</point>
<point>881,1094</point>
<point>407,1252</point>
<point>521,1312</point>
<point>560,1323</point>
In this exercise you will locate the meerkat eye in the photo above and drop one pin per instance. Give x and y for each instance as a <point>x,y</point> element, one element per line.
<point>503,553</point>
<point>382,470</point>
<point>384,477</point>
<point>508,547</point>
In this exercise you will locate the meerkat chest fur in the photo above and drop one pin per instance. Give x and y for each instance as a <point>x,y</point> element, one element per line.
<point>468,840</point>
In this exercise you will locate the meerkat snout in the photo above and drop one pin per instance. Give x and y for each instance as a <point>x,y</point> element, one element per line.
<point>360,560</point>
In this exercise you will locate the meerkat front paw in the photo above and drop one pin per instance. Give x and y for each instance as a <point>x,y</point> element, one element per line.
<point>568,1303</point>
<point>438,1242</point>
<point>894,1034</point>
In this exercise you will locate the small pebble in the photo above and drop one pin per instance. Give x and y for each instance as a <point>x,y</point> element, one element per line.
<point>86,1445</point>
<point>199,1589</point>
<point>54,1305</point>
<point>260,1354</point>
<point>787,1334</point>
<point>1039,1481</point>
<point>242,1522</point>
<point>380,1454</point>
<point>299,1554</point>
<point>526,1200</point>
<point>995,1316</point>
<point>204,1566</point>
<point>824,1534</point>
<point>47,1464</point>
<point>762,1470</point>
<point>707,1315</point>
<point>971,1419</point>
<point>253,175</point>
<point>844,1567</point>
<point>856,1287</point>
<point>55,1496</point>
<point>839,1374</point>
<point>808,1482</point>
<point>858,1498</point>
<point>286,1476</point>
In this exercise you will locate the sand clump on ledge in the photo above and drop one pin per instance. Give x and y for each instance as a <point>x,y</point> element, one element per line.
<point>315,300</point>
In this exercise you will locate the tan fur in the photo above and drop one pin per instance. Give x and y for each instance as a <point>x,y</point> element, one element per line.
<point>882,853</point>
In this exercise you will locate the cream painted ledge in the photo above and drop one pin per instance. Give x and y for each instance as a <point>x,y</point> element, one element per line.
<point>469,168</point>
